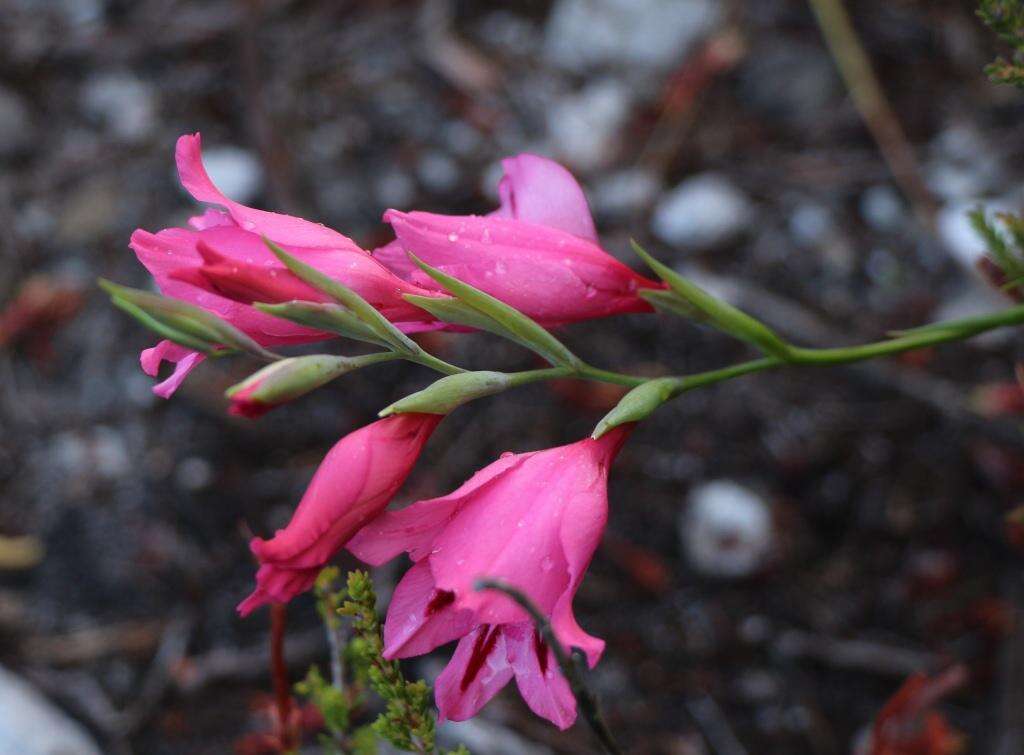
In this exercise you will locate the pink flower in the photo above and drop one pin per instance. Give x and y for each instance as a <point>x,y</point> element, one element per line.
<point>538,252</point>
<point>532,520</point>
<point>356,480</point>
<point>222,264</point>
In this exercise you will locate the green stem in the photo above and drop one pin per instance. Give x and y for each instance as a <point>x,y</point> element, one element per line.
<point>429,360</point>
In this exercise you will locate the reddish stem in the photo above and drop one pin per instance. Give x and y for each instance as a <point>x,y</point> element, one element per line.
<point>282,686</point>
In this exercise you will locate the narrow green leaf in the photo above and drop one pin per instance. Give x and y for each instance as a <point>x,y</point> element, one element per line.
<point>330,317</point>
<point>518,326</point>
<point>721,314</point>
<point>185,318</point>
<point>341,293</point>
<point>165,331</point>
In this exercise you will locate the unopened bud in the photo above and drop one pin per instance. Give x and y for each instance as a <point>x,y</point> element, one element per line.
<point>450,392</point>
<point>286,380</point>
<point>638,404</point>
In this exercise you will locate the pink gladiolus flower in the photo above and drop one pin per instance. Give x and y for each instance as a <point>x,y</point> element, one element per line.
<point>538,252</point>
<point>532,520</point>
<point>356,480</point>
<point>222,264</point>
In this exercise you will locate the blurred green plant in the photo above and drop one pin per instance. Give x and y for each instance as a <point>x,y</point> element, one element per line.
<point>1006,19</point>
<point>408,721</point>
<point>1003,265</point>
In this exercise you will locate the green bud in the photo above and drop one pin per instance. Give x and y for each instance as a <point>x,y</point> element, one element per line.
<point>450,392</point>
<point>638,404</point>
<point>288,379</point>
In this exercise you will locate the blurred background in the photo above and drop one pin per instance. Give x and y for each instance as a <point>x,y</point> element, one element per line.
<point>784,549</point>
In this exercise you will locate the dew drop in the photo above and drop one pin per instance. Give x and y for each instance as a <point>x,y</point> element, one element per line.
<point>591,292</point>
<point>547,563</point>
<point>453,237</point>
<point>506,454</point>
<point>248,225</point>
<point>486,236</point>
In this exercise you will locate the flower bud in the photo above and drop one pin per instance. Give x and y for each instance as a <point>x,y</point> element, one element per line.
<point>287,379</point>
<point>451,392</point>
<point>637,404</point>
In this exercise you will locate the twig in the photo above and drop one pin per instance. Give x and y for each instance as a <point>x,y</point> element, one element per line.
<point>712,722</point>
<point>586,699</point>
<point>279,671</point>
<point>860,655</point>
<point>871,103</point>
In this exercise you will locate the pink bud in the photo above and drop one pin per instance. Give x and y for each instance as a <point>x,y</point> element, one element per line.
<point>538,252</point>
<point>356,480</point>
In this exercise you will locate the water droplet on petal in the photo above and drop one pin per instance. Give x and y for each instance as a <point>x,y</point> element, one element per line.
<point>486,236</point>
<point>248,225</point>
<point>453,237</point>
<point>547,563</point>
<point>506,454</point>
<point>591,292</point>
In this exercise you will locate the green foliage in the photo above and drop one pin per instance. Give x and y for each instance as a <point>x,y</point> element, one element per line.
<point>1006,18</point>
<point>408,721</point>
<point>1004,243</point>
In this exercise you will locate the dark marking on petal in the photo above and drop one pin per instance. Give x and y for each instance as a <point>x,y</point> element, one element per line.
<point>482,648</point>
<point>441,599</point>
<point>541,649</point>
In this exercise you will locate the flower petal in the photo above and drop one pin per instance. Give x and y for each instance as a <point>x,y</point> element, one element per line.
<point>538,676</point>
<point>284,229</point>
<point>414,528</point>
<point>537,190</point>
<point>420,617</point>
<point>275,585</point>
<point>478,670</point>
<point>185,360</point>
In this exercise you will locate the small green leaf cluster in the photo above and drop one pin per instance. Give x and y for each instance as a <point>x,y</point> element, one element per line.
<point>1003,234</point>
<point>408,722</point>
<point>408,719</point>
<point>1006,18</point>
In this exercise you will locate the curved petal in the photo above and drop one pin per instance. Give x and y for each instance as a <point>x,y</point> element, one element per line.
<point>421,617</point>
<point>546,273</point>
<point>210,218</point>
<point>185,360</point>
<point>285,229</point>
<point>392,256</point>
<point>537,190</point>
<point>478,670</point>
<point>538,677</point>
<point>414,528</point>
<point>276,585</point>
<point>356,479</point>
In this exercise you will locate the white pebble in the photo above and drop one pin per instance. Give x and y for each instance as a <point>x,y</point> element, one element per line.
<point>726,530</point>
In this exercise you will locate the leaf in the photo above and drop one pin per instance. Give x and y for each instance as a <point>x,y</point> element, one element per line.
<point>375,321</point>
<point>330,317</point>
<point>716,312</point>
<point>516,326</point>
<point>171,316</point>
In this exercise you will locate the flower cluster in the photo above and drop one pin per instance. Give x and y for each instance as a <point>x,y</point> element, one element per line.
<point>532,520</point>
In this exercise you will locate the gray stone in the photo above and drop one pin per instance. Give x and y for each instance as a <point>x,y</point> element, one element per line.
<point>726,530</point>
<point>652,34</point>
<point>235,171</point>
<point>584,127</point>
<point>31,725</point>
<point>702,212</point>
<point>882,208</point>
<point>124,104</point>
<point>627,191</point>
